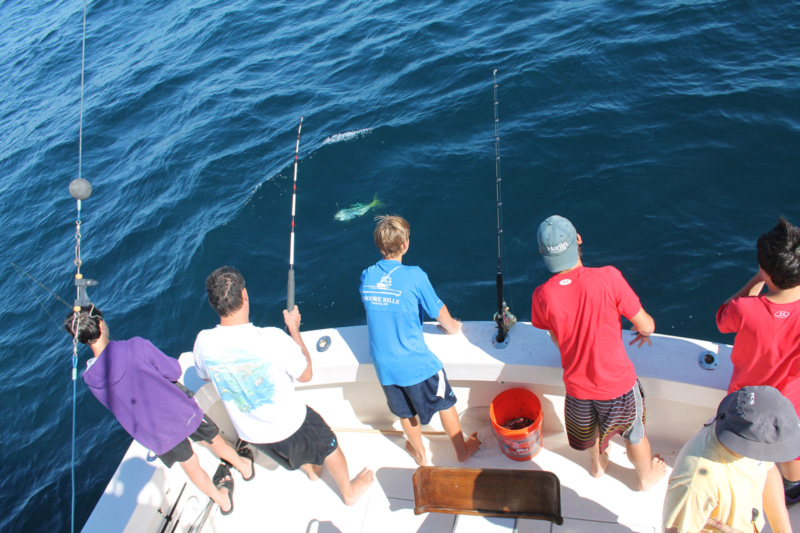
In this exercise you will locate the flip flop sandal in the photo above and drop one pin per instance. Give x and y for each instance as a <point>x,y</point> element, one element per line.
<point>223,470</point>
<point>227,484</point>
<point>247,453</point>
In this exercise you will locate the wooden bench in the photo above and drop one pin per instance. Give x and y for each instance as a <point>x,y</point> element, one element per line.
<point>531,494</point>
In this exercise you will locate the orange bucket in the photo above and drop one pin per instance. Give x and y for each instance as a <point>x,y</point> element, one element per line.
<point>517,444</point>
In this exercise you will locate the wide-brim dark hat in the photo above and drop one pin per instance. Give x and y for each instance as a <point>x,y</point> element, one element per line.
<point>760,423</point>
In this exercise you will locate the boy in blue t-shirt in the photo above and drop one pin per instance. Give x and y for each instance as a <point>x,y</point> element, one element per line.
<point>412,377</point>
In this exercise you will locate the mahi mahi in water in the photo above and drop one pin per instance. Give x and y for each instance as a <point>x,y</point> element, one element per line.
<point>356,210</point>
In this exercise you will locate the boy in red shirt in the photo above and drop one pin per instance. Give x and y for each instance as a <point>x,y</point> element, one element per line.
<point>581,307</point>
<point>766,350</point>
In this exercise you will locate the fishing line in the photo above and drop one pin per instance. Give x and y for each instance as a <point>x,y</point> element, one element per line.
<point>290,282</point>
<point>58,324</point>
<point>57,297</point>
<point>503,318</point>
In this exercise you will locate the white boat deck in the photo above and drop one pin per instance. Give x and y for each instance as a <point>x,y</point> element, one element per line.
<point>679,397</point>
<point>389,504</point>
<point>287,501</point>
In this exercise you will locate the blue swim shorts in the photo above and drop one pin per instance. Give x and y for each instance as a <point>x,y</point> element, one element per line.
<point>424,399</point>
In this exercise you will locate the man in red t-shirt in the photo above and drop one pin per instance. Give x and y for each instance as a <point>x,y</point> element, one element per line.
<point>766,350</point>
<point>580,307</point>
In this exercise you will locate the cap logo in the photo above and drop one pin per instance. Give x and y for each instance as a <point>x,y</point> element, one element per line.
<point>558,248</point>
<point>782,314</point>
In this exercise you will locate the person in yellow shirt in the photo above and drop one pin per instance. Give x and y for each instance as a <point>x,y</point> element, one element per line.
<point>725,478</point>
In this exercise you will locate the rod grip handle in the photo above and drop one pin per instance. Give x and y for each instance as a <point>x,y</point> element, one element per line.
<point>500,292</point>
<point>290,291</point>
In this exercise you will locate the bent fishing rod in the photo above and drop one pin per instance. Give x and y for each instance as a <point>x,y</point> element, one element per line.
<point>503,318</point>
<point>290,283</point>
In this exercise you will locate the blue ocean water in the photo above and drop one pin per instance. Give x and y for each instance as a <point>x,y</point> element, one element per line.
<point>668,132</point>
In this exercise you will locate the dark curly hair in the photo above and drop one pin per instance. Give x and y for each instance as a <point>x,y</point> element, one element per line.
<point>224,287</point>
<point>87,323</point>
<point>779,254</point>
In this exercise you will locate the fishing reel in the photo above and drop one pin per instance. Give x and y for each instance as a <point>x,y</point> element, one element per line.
<point>505,321</point>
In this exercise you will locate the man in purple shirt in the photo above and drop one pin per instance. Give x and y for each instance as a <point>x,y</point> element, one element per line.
<point>136,382</point>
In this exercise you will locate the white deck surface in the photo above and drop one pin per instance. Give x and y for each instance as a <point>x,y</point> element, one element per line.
<point>285,501</point>
<point>679,398</point>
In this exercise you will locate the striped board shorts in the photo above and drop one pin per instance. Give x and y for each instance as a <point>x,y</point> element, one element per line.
<point>586,419</point>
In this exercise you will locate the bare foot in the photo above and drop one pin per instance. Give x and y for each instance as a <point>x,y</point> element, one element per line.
<point>418,457</point>
<point>359,485</point>
<point>224,486</point>
<point>599,466</point>
<point>658,469</point>
<point>247,465</point>
<point>471,445</point>
<point>227,498</point>
<point>247,470</point>
<point>312,471</point>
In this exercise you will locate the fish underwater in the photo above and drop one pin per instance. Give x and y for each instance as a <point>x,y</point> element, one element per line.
<point>356,210</point>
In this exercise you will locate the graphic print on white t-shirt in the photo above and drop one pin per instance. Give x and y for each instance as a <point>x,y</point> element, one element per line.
<point>243,379</point>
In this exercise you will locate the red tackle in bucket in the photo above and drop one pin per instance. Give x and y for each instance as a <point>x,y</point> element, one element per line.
<point>510,408</point>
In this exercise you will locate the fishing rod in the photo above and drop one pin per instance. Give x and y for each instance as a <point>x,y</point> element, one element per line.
<point>503,318</point>
<point>290,283</point>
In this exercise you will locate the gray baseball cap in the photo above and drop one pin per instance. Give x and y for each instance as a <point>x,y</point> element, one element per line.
<point>558,243</point>
<point>760,423</point>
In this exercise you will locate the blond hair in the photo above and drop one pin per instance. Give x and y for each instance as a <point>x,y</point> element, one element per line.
<point>390,234</point>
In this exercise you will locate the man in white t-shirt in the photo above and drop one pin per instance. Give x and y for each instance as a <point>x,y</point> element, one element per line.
<point>253,370</point>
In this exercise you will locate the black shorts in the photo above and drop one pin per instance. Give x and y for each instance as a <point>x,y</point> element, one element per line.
<point>183,451</point>
<point>424,399</point>
<point>310,444</point>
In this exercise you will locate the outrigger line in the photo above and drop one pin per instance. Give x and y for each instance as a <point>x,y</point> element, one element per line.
<point>503,318</point>
<point>80,189</point>
<point>290,283</point>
